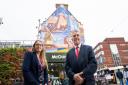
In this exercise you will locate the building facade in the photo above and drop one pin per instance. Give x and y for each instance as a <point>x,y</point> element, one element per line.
<point>16,43</point>
<point>111,52</point>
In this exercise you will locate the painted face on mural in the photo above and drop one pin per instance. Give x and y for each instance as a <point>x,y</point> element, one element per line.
<point>76,38</point>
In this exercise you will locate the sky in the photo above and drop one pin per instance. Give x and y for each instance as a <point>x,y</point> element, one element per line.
<point>100,18</point>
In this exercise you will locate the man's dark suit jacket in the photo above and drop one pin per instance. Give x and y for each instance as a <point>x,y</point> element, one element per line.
<point>86,63</point>
<point>31,69</point>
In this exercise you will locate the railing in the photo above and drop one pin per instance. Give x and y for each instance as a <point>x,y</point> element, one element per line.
<point>16,43</point>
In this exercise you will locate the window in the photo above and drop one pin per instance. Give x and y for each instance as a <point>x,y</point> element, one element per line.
<point>115,54</point>
<point>113,49</point>
<point>102,52</point>
<point>101,46</point>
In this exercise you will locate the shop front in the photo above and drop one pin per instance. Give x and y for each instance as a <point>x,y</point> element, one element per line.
<point>56,63</point>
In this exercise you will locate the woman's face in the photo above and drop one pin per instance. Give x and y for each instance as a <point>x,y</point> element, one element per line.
<point>38,46</point>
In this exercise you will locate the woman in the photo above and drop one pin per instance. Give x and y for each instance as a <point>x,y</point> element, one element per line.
<point>35,66</point>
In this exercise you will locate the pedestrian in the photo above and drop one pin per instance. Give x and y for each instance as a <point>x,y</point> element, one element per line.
<point>119,75</point>
<point>35,66</point>
<point>125,73</point>
<point>80,64</point>
<point>62,77</point>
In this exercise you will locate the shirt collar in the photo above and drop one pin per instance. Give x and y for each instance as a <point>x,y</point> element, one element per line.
<point>78,46</point>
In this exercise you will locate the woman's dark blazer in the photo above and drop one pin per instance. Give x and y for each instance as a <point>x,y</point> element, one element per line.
<point>31,69</point>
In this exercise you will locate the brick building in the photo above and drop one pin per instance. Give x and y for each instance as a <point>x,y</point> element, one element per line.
<point>111,52</point>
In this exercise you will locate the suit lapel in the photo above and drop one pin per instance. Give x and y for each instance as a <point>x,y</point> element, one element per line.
<point>35,58</point>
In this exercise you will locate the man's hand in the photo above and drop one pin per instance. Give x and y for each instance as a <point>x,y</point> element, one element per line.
<point>81,73</point>
<point>78,79</point>
<point>80,82</point>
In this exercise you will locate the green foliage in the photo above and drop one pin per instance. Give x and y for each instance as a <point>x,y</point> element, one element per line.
<point>6,72</point>
<point>10,61</point>
<point>11,51</point>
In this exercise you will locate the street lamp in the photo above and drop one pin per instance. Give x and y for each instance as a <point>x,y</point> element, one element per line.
<point>38,28</point>
<point>1,22</point>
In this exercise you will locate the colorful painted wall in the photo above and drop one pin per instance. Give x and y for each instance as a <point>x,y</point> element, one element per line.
<point>56,31</point>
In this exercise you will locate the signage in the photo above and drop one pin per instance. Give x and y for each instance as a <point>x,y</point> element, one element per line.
<point>56,57</point>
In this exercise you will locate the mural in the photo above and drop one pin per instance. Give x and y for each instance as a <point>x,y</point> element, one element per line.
<point>56,30</point>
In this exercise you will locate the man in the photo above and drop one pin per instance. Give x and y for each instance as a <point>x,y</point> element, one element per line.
<point>119,75</point>
<point>80,63</point>
<point>125,74</point>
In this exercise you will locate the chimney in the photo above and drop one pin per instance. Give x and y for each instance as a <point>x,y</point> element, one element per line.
<point>64,5</point>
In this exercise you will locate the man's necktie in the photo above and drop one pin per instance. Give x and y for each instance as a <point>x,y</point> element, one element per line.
<point>77,52</point>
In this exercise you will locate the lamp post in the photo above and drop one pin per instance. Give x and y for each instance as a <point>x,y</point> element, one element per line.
<point>38,28</point>
<point>1,22</point>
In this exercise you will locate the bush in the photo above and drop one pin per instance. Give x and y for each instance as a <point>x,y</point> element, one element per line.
<point>10,64</point>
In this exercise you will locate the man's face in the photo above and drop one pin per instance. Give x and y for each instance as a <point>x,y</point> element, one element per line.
<point>76,38</point>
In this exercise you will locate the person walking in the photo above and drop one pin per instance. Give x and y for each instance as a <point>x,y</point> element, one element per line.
<point>125,73</point>
<point>119,75</point>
